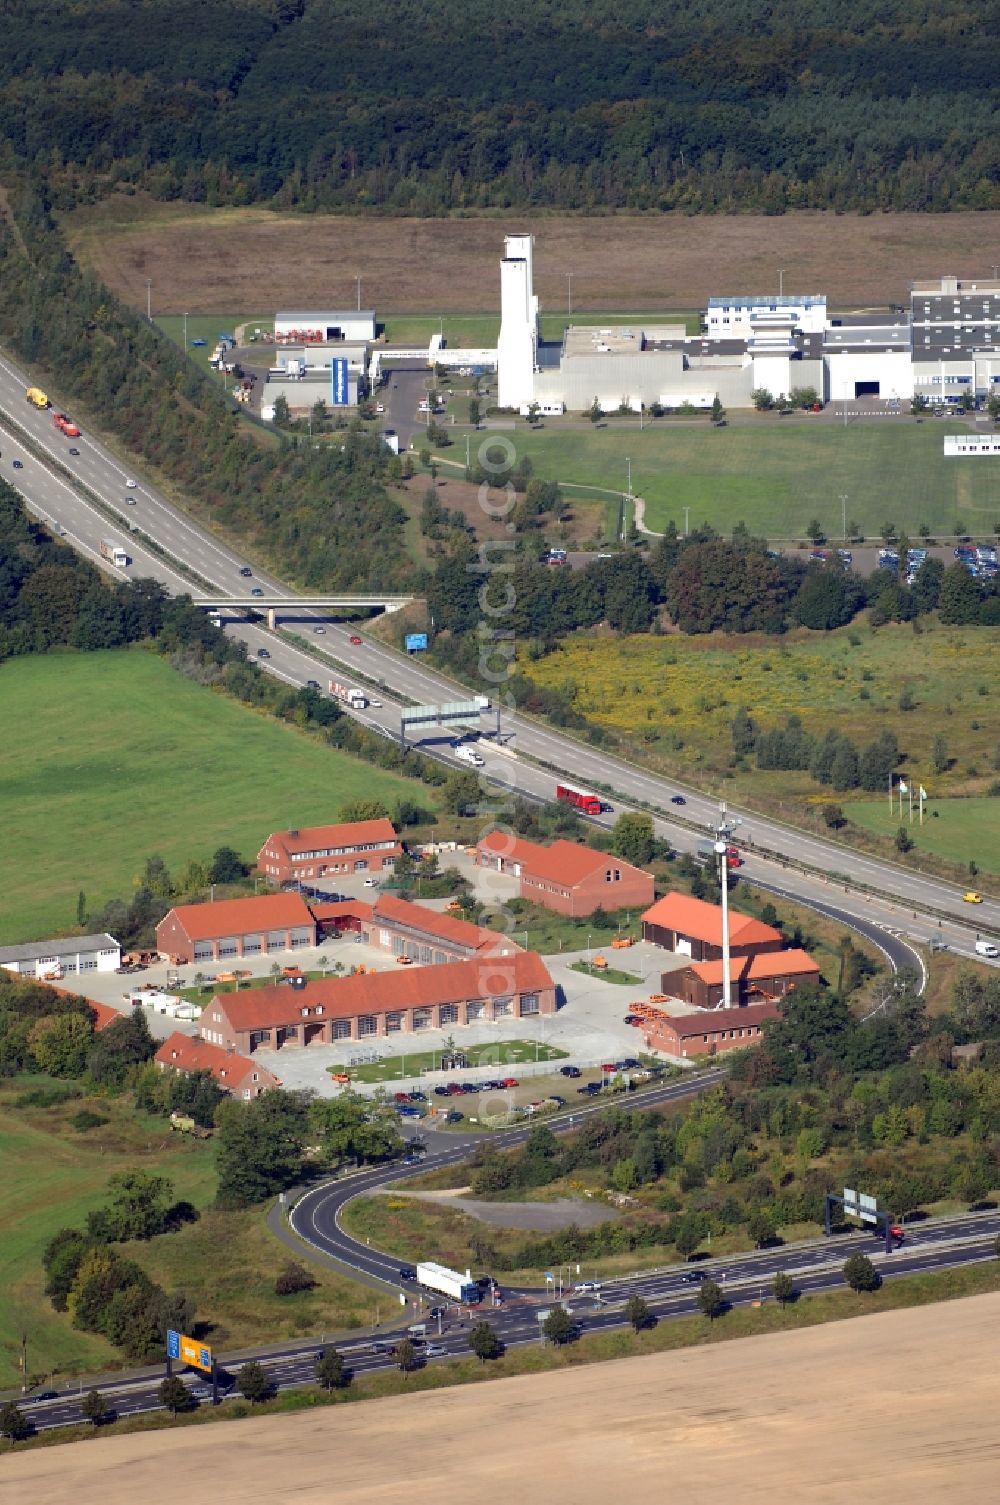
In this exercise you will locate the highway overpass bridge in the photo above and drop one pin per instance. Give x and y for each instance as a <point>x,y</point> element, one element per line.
<point>289,607</point>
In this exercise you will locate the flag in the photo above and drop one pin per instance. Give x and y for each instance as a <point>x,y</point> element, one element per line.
<point>923,792</point>
<point>904,787</point>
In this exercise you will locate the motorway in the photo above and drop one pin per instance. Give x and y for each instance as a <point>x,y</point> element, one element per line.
<point>670,1292</point>
<point>881,895</point>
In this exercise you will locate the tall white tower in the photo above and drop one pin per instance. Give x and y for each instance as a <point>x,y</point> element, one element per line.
<point>518,342</point>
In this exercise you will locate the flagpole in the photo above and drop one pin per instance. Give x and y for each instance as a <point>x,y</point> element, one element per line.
<point>890,796</point>
<point>911,801</point>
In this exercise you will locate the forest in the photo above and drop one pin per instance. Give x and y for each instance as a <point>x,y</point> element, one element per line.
<point>701,107</point>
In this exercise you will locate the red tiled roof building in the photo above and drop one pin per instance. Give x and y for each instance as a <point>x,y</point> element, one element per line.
<point>567,877</point>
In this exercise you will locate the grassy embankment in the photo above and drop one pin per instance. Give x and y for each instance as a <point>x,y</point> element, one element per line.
<point>54,1175</point>
<point>674,699</point>
<point>109,757</point>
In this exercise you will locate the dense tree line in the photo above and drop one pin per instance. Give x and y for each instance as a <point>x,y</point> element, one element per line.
<point>711,107</point>
<point>704,583</point>
<point>42,1030</point>
<point>322,514</point>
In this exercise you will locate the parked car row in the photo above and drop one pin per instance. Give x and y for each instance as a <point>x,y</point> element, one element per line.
<point>456,1089</point>
<point>980,560</point>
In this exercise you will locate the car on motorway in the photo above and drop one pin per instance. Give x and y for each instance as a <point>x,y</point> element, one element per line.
<point>130,500</point>
<point>129,485</point>
<point>434,1350</point>
<point>313,684</point>
<point>319,631</point>
<point>407,1272</point>
<point>586,1285</point>
<point>75,451</point>
<point>256,591</point>
<point>355,640</point>
<point>44,1395</point>
<point>694,1277</point>
<point>678,799</point>
<point>245,572</point>
<point>972,897</point>
<point>18,465</point>
<point>569,1071</point>
<point>263,653</point>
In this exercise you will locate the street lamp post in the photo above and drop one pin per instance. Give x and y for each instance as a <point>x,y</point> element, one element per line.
<point>185,332</point>
<point>357,279</point>
<point>569,295</point>
<point>843,514</point>
<point>149,299</point>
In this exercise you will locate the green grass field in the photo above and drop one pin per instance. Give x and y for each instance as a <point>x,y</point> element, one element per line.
<point>53,1176</point>
<point>777,474</point>
<point>500,1053</point>
<point>963,830</point>
<point>108,757</point>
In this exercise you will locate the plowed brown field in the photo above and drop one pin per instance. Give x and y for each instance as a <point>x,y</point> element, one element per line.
<point>252,260</point>
<point>902,1405</point>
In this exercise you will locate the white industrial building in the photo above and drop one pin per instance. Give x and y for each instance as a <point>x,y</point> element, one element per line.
<point>51,960</point>
<point>947,345</point>
<point>324,327</point>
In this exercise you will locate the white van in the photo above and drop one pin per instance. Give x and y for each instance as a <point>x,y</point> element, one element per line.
<point>986,948</point>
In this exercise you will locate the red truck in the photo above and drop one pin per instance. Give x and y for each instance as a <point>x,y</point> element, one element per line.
<point>581,799</point>
<point>65,424</point>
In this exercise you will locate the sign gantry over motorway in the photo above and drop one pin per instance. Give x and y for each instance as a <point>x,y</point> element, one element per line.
<point>187,1351</point>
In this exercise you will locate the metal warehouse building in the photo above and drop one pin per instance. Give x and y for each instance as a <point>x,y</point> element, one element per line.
<point>55,959</point>
<point>324,326</point>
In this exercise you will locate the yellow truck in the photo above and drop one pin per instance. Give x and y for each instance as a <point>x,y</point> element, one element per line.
<point>37,398</point>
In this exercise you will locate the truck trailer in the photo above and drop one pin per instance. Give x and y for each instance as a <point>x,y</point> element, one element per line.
<point>114,553</point>
<point>581,799</point>
<point>349,694</point>
<point>65,425</point>
<point>448,1282</point>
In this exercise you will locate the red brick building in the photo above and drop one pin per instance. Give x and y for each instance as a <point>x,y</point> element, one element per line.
<point>429,937</point>
<point>361,846</point>
<point>234,1074</point>
<point>690,927</point>
<point>567,877</point>
<point>709,1033</point>
<point>760,978</point>
<point>383,1003</point>
<point>234,928</point>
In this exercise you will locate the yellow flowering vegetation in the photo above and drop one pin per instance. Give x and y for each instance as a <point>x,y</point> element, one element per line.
<point>679,695</point>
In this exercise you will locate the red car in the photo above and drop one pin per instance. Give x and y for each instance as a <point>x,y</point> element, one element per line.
<point>609,1066</point>
<point>355,640</point>
<point>401,1097</point>
<point>509,1081</point>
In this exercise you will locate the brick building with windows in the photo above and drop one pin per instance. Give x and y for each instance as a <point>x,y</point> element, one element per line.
<point>429,937</point>
<point>233,1073</point>
<point>360,846</point>
<point>566,877</point>
<point>332,1009</point>
<point>710,1032</point>
<point>690,927</point>
<point>752,979</point>
<point>235,928</point>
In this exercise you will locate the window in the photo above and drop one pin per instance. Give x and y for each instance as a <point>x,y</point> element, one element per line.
<point>305,1012</point>
<point>426,955</point>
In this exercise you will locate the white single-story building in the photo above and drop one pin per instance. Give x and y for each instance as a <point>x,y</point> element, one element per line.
<point>50,960</point>
<point>324,326</point>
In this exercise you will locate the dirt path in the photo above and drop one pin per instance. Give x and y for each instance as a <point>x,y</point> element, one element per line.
<point>903,1404</point>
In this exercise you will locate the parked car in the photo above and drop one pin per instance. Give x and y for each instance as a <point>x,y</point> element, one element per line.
<point>509,1081</point>
<point>569,1071</point>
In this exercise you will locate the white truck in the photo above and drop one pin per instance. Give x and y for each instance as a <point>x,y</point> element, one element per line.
<point>448,1282</point>
<point>349,694</point>
<point>986,948</point>
<point>114,553</point>
<point>467,754</point>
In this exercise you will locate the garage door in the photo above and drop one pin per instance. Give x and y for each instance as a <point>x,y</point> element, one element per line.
<point>682,946</point>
